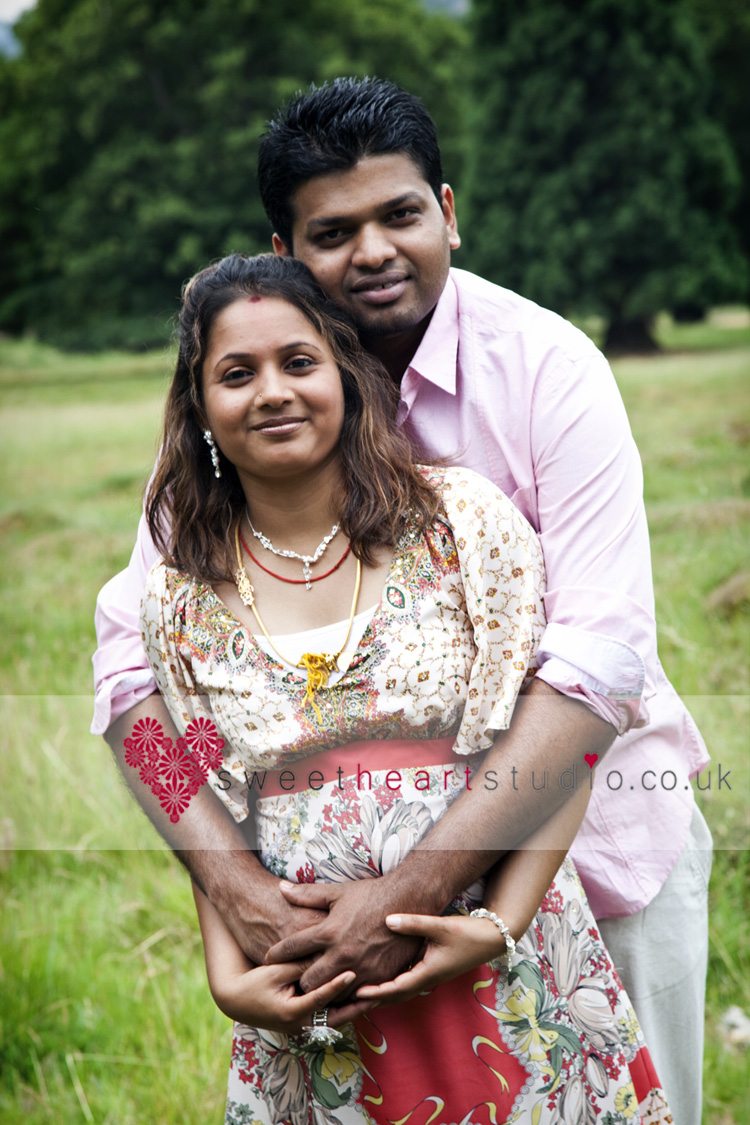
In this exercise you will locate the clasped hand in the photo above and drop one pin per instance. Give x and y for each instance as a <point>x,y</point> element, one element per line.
<point>352,935</point>
<point>362,955</point>
<point>382,950</point>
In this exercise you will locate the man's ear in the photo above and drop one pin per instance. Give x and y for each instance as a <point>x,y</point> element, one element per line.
<point>449,214</point>
<point>280,247</point>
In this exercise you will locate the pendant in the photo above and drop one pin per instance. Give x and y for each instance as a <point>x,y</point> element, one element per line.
<point>318,666</point>
<point>244,587</point>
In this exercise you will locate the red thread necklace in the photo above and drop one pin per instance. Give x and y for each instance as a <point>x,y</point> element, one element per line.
<point>294,581</point>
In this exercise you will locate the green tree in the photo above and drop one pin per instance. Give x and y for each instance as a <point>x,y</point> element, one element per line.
<point>725,26</point>
<point>598,181</point>
<point>129,133</point>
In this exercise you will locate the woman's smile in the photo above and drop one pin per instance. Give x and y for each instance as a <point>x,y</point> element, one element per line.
<point>276,427</point>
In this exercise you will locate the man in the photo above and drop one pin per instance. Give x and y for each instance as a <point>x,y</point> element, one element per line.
<point>350,177</point>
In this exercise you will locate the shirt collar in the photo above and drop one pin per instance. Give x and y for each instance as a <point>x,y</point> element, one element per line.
<point>436,358</point>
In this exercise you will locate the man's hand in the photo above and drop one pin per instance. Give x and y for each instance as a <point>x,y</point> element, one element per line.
<point>353,934</point>
<point>249,900</point>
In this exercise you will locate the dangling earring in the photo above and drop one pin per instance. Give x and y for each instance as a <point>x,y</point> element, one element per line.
<point>214,451</point>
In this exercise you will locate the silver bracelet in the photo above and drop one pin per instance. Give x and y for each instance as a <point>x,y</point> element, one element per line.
<point>506,958</point>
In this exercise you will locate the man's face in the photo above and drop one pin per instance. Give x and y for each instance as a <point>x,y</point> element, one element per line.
<point>378,242</point>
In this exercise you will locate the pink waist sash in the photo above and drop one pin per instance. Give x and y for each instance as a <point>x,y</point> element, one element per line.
<point>357,759</point>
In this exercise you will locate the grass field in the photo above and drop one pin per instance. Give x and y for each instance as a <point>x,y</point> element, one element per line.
<point>105,1016</point>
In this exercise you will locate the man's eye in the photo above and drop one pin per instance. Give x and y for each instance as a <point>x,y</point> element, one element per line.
<point>404,213</point>
<point>330,237</point>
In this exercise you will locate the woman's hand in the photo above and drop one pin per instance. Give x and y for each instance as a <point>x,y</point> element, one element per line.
<point>455,944</point>
<point>266,997</point>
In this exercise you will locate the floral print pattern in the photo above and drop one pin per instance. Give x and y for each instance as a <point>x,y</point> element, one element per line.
<point>446,652</point>
<point>552,1040</point>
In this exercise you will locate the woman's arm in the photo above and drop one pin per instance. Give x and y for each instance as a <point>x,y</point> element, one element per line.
<point>264,996</point>
<point>518,883</point>
<point>515,888</point>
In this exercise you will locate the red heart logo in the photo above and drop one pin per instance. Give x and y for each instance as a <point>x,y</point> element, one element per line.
<point>591,760</point>
<point>174,773</point>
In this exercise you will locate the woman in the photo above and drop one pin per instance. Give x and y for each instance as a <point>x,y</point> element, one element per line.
<point>329,610</point>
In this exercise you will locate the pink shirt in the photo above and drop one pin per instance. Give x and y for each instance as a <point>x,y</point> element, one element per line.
<point>521,396</point>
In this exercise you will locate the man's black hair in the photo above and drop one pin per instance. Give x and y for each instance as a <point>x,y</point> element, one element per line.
<point>329,128</point>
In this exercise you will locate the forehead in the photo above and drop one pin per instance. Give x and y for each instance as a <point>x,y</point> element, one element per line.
<point>255,323</point>
<point>373,184</point>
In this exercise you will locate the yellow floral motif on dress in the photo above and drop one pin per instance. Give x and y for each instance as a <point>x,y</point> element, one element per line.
<point>339,1066</point>
<point>625,1101</point>
<point>534,1041</point>
<point>630,1029</point>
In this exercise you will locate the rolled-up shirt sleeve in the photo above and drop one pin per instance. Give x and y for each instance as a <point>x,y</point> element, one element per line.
<point>604,672</point>
<point>600,643</point>
<point>122,676</point>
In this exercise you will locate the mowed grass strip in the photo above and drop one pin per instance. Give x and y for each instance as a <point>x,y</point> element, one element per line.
<point>105,1012</point>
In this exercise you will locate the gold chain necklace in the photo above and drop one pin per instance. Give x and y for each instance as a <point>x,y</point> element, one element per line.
<point>318,665</point>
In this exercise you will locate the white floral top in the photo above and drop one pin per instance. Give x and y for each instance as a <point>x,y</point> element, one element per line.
<point>445,654</point>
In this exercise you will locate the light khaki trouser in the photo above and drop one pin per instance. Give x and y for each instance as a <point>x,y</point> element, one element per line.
<point>661,954</point>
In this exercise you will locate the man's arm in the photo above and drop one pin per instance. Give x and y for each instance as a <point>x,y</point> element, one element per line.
<point>523,779</point>
<point>549,732</point>
<point>122,677</point>
<point>515,888</point>
<point>213,848</point>
<point>206,838</point>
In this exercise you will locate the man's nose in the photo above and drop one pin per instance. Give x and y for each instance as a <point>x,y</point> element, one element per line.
<point>373,247</point>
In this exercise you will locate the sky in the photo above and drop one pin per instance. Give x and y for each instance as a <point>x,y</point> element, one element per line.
<point>10,10</point>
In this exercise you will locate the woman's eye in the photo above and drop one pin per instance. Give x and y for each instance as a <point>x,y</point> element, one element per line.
<point>300,363</point>
<point>236,374</point>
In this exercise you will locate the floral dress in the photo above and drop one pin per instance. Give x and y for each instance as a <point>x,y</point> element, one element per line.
<point>390,745</point>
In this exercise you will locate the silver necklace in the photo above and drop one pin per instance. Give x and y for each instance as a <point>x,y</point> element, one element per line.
<point>308,561</point>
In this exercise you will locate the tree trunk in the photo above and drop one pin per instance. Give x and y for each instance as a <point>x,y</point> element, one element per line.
<point>630,337</point>
<point>689,313</point>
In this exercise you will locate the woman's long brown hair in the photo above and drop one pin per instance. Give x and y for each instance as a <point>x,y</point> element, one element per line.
<point>191,513</point>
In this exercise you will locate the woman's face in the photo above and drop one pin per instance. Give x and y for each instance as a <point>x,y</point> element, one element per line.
<point>272,390</point>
